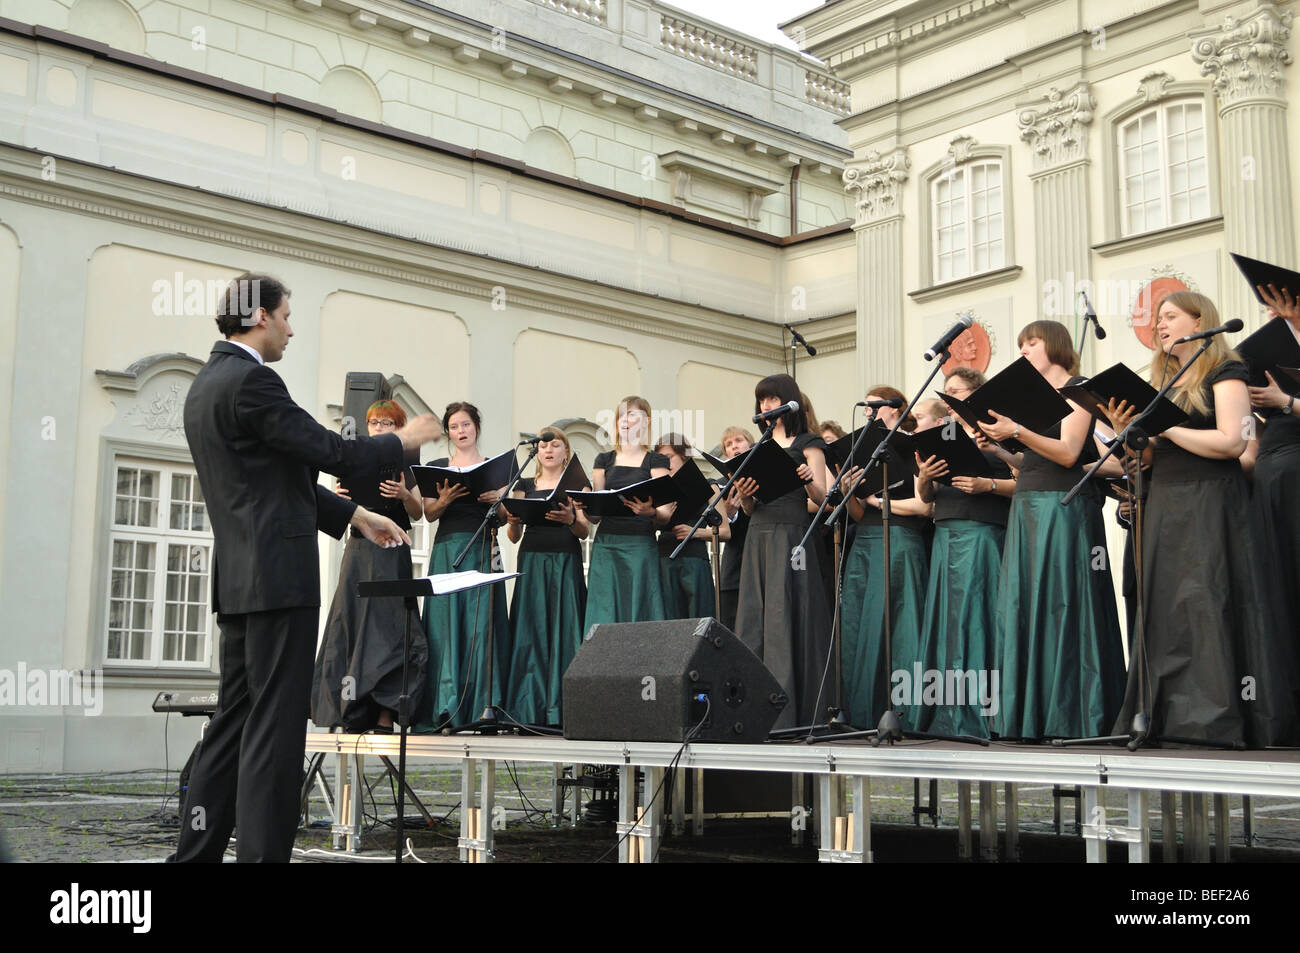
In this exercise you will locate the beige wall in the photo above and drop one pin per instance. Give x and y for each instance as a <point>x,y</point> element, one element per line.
<point>557,376</point>
<point>10,267</point>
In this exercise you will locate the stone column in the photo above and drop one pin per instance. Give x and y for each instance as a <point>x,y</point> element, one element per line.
<point>1056,129</point>
<point>1247,59</point>
<point>878,181</point>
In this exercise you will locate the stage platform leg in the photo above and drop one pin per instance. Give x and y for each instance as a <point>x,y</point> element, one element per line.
<point>478,811</point>
<point>349,803</point>
<point>988,822</point>
<point>1012,807</point>
<point>1139,820</point>
<point>845,832</point>
<point>639,829</point>
<point>1094,827</point>
<point>1222,829</point>
<point>1168,828</point>
<point>963,821</point>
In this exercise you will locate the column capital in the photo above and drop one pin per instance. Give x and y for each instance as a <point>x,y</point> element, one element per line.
<point>1057,128</point>
<point>878,181</point>
<point>1246,56</point>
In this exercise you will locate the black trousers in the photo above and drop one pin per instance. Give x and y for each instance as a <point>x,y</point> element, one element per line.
<point>249,769</point>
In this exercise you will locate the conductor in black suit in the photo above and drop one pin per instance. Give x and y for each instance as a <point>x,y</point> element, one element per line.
<point>257,454</point>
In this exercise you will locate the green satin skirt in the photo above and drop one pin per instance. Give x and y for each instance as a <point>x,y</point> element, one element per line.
<point>623,583</point>
<point>1059,654</point>
<point>458,626</point>
<point>687,583</point>
<point>546,614</point>
<point>958,628</point>
<point>864,669</point>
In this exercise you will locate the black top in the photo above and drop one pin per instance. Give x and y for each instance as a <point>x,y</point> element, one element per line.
<point>1281,431</point>
<point>1171,463</point>
<point>1039,473</point>
<point>793,506</point>
<point>551,538</point>
<point>952,504</point>
<point>617,477</point>
<point>462,515</point>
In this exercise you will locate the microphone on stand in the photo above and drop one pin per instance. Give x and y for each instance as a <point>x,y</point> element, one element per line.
<point>812,351</point>
<point>1236,324</point>
<point>894,402</point>
<point>952,334</point>
<point>790,407</point>
<point>1090,315</point>
<point>546,436</point>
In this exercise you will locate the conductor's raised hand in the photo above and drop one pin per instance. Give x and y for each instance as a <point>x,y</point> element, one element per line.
<point>1002,428</point>
<point>419,430</point>
<point>380,530</point>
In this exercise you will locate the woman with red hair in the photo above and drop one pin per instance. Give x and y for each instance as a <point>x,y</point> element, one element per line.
<point>359,668</point>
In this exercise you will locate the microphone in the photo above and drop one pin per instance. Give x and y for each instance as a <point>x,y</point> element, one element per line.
<point>894,402</point>
<point>1236,324</point>
<point>792,406</point>
<point>951,335</point>
<point>1091,315</point>
<point>812,351</point>
<point>546,436</point>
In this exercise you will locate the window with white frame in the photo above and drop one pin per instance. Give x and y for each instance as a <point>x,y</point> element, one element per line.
<point>160,547</point>
<point>1164,169</point>
<point>967,220</point>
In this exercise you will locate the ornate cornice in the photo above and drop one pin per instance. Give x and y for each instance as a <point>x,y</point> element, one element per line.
<point>878,182</point>
<point>1154,87</point>
<point>1246,57</point>
<point>1058,131</point>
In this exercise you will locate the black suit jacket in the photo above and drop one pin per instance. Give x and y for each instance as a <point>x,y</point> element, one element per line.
<point>258,454</point>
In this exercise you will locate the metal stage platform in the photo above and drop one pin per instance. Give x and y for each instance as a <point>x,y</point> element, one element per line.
<point>841,811</point>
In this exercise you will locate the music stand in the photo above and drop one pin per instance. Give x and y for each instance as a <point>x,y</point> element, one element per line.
<point>408,590</point>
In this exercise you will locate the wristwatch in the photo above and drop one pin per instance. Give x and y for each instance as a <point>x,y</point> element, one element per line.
<point>1289,405</point>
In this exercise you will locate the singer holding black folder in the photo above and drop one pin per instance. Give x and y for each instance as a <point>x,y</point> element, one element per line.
<point>623,583</point>
<point>358,677</point>
<point>782,615</point>
<point>458,625</point>
<point>1218,668</point>
<point>687,581</point>
<point>1277,470</point>
<point>862,594</point>
<point>959,621</point>
<point>735,441</point>
<point>550,597</point>
<point>1059,655</point>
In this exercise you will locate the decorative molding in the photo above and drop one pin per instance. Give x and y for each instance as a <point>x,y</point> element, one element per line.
<point>1058,132</point>
<point>593,11</point>
<point>1154,87</point>
<point>729,54</point>
<point>969,283</point>
<point>383,255</point>
<point>1246,57</point>
<point>878,181</point>
<point>894,39</point>
<point>827,92</point>
<point>960,149</point>
<point>157,410</point>
<point>1160,236</point>
<point>144,370</point>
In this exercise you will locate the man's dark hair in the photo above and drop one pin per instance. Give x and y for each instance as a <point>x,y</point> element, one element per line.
<point>243,296</point>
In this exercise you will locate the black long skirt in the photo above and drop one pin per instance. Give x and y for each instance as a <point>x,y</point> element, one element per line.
<point>359,666</point>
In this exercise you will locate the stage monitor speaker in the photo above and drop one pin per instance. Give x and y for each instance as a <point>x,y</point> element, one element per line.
<point>655,681</point>
<point>360,390</point>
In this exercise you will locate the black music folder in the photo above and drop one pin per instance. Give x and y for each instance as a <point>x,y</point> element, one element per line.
<point>1019,392</point>
<point>658,491</point>
<point>774,470</point>
<point>533,512</point>
<point>491,474</point>
<point>902,465</point>
<point>951,443</point>
<point>1269,348</point>
<point>1119,382</point>
<point>1259,273</point>
<point>694,489</point>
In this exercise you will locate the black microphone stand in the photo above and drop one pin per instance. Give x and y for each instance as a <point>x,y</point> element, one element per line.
<point>1134,438</point>
<point>890,727</point>
<point>493,717</point>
